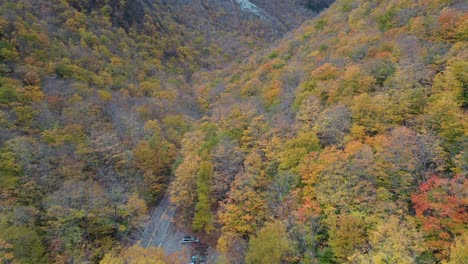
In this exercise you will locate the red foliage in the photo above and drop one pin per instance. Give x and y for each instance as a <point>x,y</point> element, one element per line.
<point>448,18</point>
<point>441,206</point>
<point>55,102</point>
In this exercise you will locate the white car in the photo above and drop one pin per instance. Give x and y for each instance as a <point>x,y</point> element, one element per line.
<point>189,239</point>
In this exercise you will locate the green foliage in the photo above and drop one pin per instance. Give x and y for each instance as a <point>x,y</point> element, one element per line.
<point>70,71</point>
<point>203,219</point>
<point>446,118</point>
<point>297,148</point>
<point>382,70</point>
<point>8,93</point>
<point>325,256</point>
<point>209,144</point>
<point>27,245</point>
<point>273,55</point>
<point>7,51</point>
<point>176,126</point>
<point>9,170</point>
<point>303,91</point>
<point>25,114</point>
<point>233,133</point>
<point>279,65</point>
<point>72,134</point>
<point>346,6</point>
<point>271,245</point>
<point>385,20</point>
<point>321,24</point>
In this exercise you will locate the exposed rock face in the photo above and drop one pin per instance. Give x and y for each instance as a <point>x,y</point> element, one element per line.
<point>277,16</point>
<point>237,26</point>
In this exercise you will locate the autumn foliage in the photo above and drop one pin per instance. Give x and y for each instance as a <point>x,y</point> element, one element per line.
<point>284,136</point>
<point>441,206</point>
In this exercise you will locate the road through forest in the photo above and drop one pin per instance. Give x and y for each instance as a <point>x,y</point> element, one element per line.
<point>162,232</point>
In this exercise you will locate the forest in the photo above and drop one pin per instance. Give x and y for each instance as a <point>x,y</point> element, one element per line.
<point>302,132</point>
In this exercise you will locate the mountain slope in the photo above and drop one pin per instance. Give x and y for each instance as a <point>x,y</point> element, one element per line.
<point>95,97</point>
<point>350,134</point>
<point>345,141</point>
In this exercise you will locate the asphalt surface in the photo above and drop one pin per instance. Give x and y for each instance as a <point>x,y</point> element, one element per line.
<point>162,232</point>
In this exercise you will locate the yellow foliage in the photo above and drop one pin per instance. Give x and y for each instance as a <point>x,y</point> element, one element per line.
<point>116,61</point>
<point>224,242</point>
<point>417,26</point>
<point>25,114</point>
<point>347,235</point>
<point>33,93</point>
<point>393,241</point>
<point>459,250</point>
<point>251,87</point>
<point>69,134</point>
<point>104,95</point>
<point>356,82</point>
<point>150,88</point>
<point>168,95</point>
<point>75,98</point>
<point>271,244</point>
<point>111,258</point>
<point>139,255</point>
<point>183,188</point>
<point>453,80</point>
<point>379,112</point>
<point>137,205</point>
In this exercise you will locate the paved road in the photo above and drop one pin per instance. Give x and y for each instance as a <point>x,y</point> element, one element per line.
<point>162,232</point>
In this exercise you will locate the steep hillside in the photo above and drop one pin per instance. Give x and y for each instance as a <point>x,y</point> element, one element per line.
<point>240,27</point>
<point>232,27</point>
<point>95,97</point>
<point>341,141</point>
<point>344,144</point>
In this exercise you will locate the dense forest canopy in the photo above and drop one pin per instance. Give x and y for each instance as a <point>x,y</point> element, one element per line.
<point>284,131</point>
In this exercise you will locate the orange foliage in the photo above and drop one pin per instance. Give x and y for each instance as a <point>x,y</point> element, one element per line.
<point>325,72</point>
<point>32,78</point>
<point>383,55</point>
<point>271,93</point>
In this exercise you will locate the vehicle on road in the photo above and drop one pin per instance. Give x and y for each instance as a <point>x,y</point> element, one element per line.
<point>199,259</point>
<point>189,240</point>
